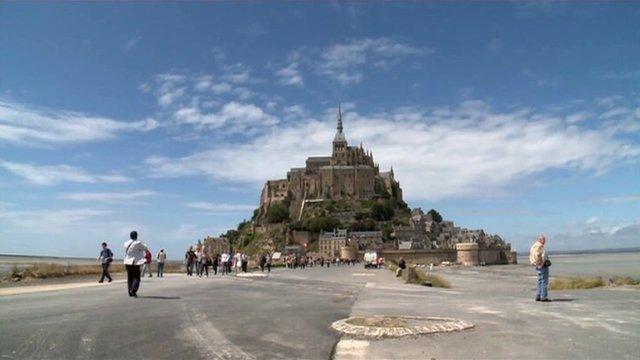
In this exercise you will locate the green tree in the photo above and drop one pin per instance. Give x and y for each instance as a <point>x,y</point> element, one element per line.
<point>277,213</point>
<point>435,215</point>
<point>382,211</point>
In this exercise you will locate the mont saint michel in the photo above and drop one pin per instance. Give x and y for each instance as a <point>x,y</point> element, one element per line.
<point>340,206</point>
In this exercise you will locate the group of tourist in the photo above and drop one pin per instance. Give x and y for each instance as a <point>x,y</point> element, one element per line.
<point>225,262</point>
<point>295,261</point>
<point>138,254</point>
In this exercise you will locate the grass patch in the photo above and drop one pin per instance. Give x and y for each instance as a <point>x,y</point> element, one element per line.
<point>53,270</point>
<point>414,275</point>
<point>623,281</point>
<point>572,283</point>
<point>386,322</point>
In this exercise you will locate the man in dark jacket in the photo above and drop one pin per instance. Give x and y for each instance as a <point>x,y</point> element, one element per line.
<point>190,258</point>
<point>105,258</point>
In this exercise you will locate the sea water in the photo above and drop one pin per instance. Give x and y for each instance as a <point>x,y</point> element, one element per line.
<point>603,264</point>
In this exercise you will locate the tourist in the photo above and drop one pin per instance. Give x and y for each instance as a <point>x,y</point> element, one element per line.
<point>205,262</point>
<point>105,258</point>
<point>199,262</point>
<point>401,266</point>
<point>214,262</point>
<point>147,264</point>
<point>538,258</point>
<point>134,256</point>
<point>161,257</point>
<point>244,262</point>
<point>269,259</point>
<point>263,261</point>
<point>237,261</point>
<point>190,258</point>
<point>224,259</point>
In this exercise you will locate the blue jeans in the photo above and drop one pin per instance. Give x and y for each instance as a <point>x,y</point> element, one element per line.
<point>160,269</point>
<point>543,282</point>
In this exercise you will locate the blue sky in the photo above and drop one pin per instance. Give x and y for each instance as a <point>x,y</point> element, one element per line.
<point>168,118</point>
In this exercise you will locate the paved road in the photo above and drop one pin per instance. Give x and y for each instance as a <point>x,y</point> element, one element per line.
<point>179,317</point>
<point>288,315</point>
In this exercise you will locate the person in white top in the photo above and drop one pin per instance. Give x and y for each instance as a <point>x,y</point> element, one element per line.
<point>134,251</point>
<point>162,256</point>
<point>224,259</point>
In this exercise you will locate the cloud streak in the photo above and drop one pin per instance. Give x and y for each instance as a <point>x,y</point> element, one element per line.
<point>436,153</point>
<point>54,174</point>
<point>20,124</point>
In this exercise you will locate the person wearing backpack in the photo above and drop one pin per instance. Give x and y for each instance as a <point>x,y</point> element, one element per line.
<point>134,257</point>
<point>105,258</point>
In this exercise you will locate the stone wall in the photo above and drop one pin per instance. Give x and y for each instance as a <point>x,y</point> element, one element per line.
<point>468,254</point>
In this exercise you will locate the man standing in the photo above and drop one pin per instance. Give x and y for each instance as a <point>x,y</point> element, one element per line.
<point>538,258</point>
<point>105,258</point>
<point>134,251</point>
<point>162,256</point>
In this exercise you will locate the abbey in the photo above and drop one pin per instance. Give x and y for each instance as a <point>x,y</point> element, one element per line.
<point>348,174</point>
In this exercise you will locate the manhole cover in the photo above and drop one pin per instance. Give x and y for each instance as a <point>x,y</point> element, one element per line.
<point>398,326</point>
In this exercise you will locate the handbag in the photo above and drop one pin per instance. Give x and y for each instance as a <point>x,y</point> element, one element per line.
<point>546,263</point>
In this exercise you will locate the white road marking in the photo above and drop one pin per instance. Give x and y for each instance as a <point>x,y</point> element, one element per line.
<point>363,274</point>
<point>351,349</point>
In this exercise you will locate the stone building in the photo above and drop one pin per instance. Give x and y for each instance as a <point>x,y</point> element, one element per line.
<point>329,243</point>
<point>348,174</point>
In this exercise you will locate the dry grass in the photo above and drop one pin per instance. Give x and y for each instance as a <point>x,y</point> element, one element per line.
<point>623,281</point>
<point>572,283</point>
<point>53,270</point>
<point>387,321</point>
<point>414,275</point>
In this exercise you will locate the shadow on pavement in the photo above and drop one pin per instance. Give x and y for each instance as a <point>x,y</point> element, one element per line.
<point>159,297</point>
<point>561,300</point>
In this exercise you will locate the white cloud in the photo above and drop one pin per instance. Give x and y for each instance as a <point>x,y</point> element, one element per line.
<point>169,88</point>
<point>233,116</point>
<point>51,220</point>
<point>599,237</point>
<point>37,126</point>
<point>215,208</point>
<point>622,75</point>
<point>290,75</point>
<point>54,174</point>
<point>436,153</point>
<point>343,62</point>
<point>592,220</point>
<point>108,196</point>
<point>204,83</point>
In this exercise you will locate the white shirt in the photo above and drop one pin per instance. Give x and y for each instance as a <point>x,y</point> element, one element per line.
<point>135,254</point>
<point>224,257</point>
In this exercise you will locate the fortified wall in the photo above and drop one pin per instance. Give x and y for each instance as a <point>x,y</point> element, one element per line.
<point>467,254</point>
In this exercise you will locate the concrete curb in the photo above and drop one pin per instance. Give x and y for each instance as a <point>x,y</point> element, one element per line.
<point>431,325</point>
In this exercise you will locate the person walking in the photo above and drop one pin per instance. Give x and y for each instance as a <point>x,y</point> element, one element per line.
<point>134,251</point>
<point>269,263</point>
<point>401,266</point>
<point>190,258</point>
<point>147,265</point>
<point>244,262</point>
<point>215,262</point>
<point>161,257</point>
<point>263,262</point>
<point>105,258</point>
<point>224,259</point>
<point>205,262</point>
<point>538,258</point>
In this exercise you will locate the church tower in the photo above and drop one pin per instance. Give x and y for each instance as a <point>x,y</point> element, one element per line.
<point>339,156</point>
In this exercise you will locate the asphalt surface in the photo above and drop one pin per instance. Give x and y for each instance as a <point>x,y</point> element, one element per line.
<point>288,315</point>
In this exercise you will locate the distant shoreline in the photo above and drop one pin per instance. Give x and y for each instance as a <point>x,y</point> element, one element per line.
<point>551,252</point>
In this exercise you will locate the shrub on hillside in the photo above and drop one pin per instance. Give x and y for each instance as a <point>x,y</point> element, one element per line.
<point>277,213</point>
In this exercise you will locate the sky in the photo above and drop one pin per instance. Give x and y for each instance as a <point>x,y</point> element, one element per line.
<point>167,118</point>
